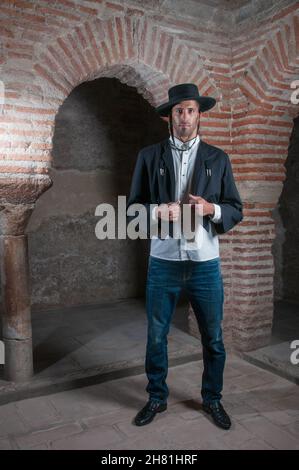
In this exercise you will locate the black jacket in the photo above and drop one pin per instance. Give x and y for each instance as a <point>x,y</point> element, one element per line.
<point>153,182</point>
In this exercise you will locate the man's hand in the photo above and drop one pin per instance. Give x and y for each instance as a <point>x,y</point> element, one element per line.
<point>208,207</point>
<point>170,211</point>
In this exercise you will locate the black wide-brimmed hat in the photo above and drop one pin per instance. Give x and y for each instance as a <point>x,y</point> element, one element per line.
<point>183,92</point>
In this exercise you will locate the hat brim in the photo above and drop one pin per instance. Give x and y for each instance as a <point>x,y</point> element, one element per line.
<point>206,103</point>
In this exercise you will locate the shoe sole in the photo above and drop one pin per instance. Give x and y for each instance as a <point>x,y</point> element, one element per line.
<point>150,420</point>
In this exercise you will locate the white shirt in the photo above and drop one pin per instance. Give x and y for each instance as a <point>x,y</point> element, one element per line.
<point>207,245</point>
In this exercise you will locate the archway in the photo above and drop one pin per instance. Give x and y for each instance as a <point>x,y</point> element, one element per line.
<point>99,130</point>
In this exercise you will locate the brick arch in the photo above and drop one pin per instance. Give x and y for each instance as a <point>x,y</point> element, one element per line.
<point>268,76</point>
<point>99,47</point>
<point>108,48</point>
<point>96,48</point>
<point>84,53</point>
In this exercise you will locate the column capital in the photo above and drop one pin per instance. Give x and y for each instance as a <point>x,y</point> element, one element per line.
<point>23,189</point>
<point>14,218</point>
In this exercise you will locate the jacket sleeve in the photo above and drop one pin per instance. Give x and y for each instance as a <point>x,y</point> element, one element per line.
<point>140,194</point>
<point>230,201</point>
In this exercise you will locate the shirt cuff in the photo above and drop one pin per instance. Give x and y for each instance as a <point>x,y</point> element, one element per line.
<point>217,214</point>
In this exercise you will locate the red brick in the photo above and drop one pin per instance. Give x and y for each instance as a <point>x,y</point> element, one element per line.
<point>129,39</point>
<point>57,13</point>
<point>119,29</point>
<point>114,6</point>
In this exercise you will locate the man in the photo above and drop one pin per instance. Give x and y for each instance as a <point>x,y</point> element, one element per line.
<point>185,170</point>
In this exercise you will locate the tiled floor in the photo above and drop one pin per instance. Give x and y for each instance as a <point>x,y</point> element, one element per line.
<point>264,409</point>
<point>263,406</point>
<point>76,344</point>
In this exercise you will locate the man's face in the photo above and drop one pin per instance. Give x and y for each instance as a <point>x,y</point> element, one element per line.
<point>185,118</point>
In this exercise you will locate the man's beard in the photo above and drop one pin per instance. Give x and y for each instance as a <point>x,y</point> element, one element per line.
<point>185,131</point>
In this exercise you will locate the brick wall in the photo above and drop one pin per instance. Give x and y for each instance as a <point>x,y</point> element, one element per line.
<point>246,59</point>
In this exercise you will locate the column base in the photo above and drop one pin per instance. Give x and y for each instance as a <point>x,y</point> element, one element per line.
<point>18,366</point>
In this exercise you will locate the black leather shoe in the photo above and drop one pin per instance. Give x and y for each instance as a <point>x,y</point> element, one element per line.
<point>218,413</point>
<point>148,412</point>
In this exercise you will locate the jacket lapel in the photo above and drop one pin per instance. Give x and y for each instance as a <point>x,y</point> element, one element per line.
<point>167,178</point>
<point>200,178</point>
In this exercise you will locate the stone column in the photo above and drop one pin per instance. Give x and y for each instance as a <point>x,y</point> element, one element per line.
<point>17,198</point>
<point>16,318</point>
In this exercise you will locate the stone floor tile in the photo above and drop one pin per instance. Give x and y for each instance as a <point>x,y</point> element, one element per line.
<point>41,437</point>
<point>38,412</point>
<point>5,444</point>
<point>255,444</point>
<point>274,435</point>
<point>102,437</point>
<point>11,422</point>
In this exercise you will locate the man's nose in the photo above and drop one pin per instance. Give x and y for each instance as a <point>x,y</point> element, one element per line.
<point>184,115</point>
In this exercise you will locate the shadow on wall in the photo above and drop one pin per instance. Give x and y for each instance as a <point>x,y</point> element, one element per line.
<point>285,250</point>
<point>99,130</point>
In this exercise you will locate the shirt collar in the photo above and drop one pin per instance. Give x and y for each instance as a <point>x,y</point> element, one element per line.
<point>179,142</point>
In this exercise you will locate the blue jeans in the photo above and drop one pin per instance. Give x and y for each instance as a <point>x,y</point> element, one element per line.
<point>203,284</point>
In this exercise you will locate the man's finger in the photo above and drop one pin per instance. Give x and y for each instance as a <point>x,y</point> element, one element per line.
<point>174,212</point>
<point>195,197</point>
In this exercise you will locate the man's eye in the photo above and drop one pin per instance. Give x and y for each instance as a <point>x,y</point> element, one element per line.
<point>179,111</point>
